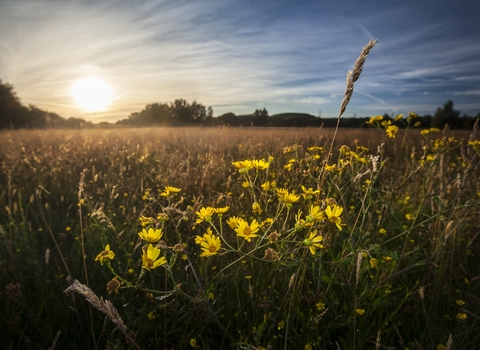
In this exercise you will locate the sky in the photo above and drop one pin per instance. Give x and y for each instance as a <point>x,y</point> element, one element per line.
<point>242,55</point>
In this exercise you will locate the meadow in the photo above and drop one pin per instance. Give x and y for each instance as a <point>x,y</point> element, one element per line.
<point>247,238</point>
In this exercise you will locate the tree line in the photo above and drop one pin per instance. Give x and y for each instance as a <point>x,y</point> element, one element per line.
<point>14,115</point>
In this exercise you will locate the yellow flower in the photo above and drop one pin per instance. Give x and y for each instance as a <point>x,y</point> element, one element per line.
<point>245,184</point>
<point>460,302</point>
<point>150,258</point>
<point>333,215</point>
<point>320,306</point>
<point>475,144</point>
<point>424,132</point>
<point>309,193</point>
<point>375,119</point>
<point>288,198</point>
<point>247,231</point>
<point>146,194</point>
<point>313,242</point>
<point>398,117</point>
<point>411,116</point>
<point>200,239</point>
<point>221,211</point>
<point>257,210</point>
<point>315,214</point>
<point>144,220</point>
<point>210,245</point>
<point>462,316</point>
<point>299,221</point>
<point>360,311</point>
<point>205,214</point>
<point>330,167</point>
<point>151,236</point>
<point>106,255</point>
<point>386,123</point>
<point>267,222</point>
<point>391,131</point>
<point>233,221</point>
<point>281,324</point>
<point>382,231</point>
<point>373,263</point>
<point>243,166</point>
<point>170,191</point>
<point>260,164</point>
<point>193,343</point>
<point>266,186</point>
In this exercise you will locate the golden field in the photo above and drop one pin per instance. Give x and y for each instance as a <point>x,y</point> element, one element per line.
<point>248,238</point>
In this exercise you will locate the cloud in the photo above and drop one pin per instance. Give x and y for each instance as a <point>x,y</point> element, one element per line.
<point>279,55</point>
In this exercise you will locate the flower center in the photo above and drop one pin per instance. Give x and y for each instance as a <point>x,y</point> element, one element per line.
<point>212,249</point>
<point>247,231</point>
<point>149,262</point>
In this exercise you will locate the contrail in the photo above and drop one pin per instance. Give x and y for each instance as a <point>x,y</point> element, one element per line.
<point>376,99</point>
<point>232,47</point>
<point>368,34</point>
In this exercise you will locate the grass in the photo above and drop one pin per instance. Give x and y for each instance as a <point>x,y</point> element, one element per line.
<point>416,216</point>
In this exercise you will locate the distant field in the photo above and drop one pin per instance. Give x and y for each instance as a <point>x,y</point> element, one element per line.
<point>266,239</point>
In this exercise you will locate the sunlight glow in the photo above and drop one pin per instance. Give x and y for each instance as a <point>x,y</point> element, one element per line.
<point>92,94</point>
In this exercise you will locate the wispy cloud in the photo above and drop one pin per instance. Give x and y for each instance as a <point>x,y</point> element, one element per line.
<point>238,56</point>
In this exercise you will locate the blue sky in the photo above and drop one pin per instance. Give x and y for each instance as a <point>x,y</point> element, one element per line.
<point>236,56</point>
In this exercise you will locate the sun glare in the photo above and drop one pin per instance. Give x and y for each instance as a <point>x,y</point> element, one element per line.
<point>92,94</point>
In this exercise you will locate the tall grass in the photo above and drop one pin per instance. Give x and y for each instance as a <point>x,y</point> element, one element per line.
<point>416,215</point>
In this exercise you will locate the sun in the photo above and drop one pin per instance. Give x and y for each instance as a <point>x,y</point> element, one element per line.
<point>92,94</point>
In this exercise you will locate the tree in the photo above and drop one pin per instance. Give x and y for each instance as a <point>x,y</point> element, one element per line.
<point>446,115</point>
<point>209,112</point>
<point>260,117</point>
<point>11,110</point>
<point>152,114</point>
<point>184,112</point>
